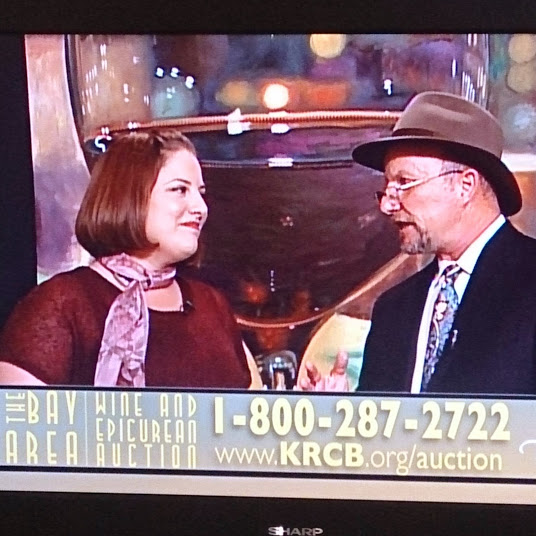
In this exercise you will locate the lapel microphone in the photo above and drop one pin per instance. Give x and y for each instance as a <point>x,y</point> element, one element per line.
<point>187,307</point>
<point>453,338</point>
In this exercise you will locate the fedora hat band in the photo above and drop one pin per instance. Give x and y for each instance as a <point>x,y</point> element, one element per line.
<point>413,132</point>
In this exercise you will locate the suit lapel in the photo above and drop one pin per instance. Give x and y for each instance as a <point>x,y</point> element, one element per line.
<point>486,290</point>
<point>487,283</point>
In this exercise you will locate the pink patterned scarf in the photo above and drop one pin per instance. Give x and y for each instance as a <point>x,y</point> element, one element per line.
<point>123,347</point>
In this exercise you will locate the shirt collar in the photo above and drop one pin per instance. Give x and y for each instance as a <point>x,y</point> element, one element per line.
<point>467,260</point>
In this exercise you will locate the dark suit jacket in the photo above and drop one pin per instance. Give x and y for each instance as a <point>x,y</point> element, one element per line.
<point>495,347</point>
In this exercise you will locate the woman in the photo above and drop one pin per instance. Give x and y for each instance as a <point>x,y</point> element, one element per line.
<point>127,319</point>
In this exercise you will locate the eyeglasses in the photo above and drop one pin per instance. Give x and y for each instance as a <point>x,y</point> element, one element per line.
<point>397,187</point>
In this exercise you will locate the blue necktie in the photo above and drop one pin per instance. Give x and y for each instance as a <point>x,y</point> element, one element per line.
<point>445,308</point>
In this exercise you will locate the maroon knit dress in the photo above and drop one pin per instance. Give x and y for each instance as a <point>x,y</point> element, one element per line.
<point>55,334</point>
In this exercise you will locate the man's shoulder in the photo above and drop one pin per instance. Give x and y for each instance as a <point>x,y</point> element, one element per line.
<point>514,233</point>
<point>514,250</point>
<point>521,240</point>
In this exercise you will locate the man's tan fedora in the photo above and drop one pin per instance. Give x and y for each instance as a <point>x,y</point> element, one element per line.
<point>467,132</point>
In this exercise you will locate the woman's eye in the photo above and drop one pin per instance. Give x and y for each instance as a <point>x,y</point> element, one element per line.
<point>179,189</point>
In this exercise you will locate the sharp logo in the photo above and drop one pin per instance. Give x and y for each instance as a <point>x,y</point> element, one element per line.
<point>294,531</point>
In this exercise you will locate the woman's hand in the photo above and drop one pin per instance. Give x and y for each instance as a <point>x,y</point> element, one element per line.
<point>13,375</point>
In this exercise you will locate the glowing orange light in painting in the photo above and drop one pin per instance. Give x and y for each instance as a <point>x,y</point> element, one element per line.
<point>326,95</point>
<point>236,93</point>
<point>522,48</point>
<point>275,96</point>
<point>327,46</point>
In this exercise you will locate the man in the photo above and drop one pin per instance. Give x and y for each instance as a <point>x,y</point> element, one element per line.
<point>466,323</point>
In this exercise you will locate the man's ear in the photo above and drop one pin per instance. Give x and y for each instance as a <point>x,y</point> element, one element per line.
<point>468,184</point>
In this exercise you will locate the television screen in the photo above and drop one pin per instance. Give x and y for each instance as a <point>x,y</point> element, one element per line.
<point>229,436</point>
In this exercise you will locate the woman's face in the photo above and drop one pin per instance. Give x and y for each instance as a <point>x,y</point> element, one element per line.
<point>176,211</point>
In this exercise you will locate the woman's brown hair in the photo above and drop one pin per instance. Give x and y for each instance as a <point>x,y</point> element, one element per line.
<point>113,212</point>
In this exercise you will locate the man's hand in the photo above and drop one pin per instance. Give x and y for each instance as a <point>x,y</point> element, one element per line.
<point>336,380</point>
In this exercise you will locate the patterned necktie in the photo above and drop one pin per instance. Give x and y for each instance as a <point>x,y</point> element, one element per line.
<point>445,308</point>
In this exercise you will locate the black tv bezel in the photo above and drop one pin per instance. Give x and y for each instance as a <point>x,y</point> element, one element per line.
<point>393,507</point>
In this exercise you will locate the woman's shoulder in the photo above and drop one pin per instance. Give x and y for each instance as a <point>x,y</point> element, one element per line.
<point>71,285</point>
<point>70,279</point>
<point>200,293</point>
<point>198,286</point>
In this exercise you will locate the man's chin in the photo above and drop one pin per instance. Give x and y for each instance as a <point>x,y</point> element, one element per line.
<point>411,241</point>
<point>408,250</point>
<point>412,247</point>
<point>415,248</point>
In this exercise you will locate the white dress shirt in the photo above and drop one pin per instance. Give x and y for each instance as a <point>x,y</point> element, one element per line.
<point>467,262</point>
